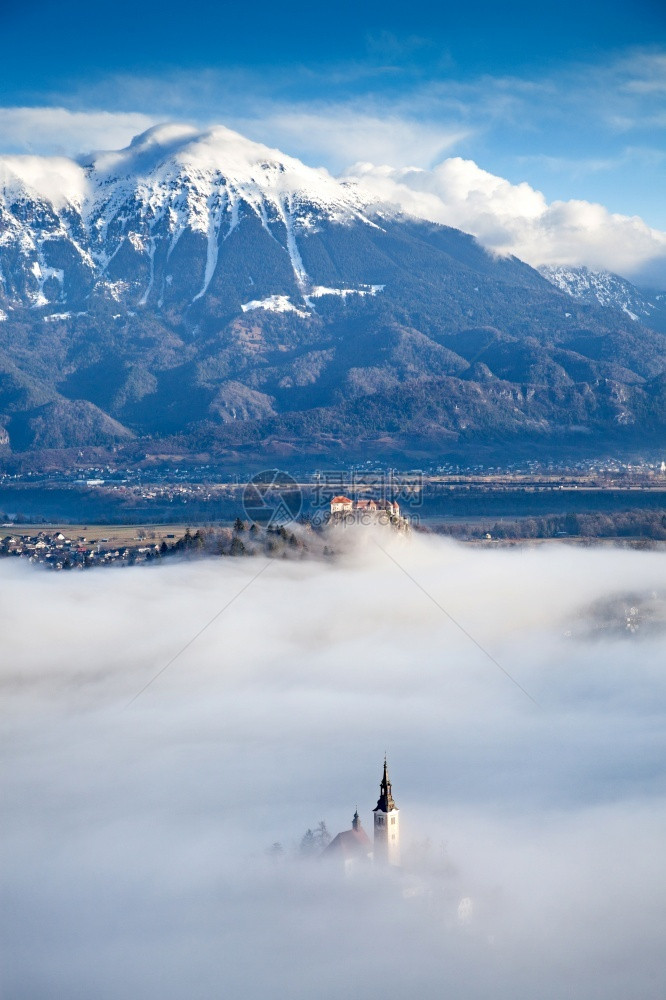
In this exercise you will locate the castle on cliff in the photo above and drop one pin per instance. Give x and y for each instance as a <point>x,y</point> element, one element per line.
<point>365,511</point>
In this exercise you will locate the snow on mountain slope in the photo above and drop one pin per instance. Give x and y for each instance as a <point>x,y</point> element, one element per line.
<point>274,303</point>
<point>607,289</point>
<point>54,179</point>
<point>289,303</point>
<point>135,205</point>
<point>246,167</point>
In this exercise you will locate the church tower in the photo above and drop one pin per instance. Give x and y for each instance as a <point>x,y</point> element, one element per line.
<point>387,824</point>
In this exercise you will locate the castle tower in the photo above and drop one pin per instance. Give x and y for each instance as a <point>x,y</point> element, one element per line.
<point>387,824</point>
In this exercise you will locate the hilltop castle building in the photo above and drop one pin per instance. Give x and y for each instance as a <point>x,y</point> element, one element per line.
<point>357,509</point>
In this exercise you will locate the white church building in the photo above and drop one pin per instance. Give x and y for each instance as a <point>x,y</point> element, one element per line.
<point>353,846</point>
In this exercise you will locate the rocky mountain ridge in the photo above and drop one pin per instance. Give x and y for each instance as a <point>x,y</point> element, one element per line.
<point>145,225</point>
<point>200,293</point>
<point>611,290</point>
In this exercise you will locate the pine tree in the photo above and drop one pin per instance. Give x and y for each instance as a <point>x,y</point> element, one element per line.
<point>237,547</point>
<point>308,844</point>
<point>321,835</point>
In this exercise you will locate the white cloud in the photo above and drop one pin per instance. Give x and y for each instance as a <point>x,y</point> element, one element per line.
<point>337,135</point>
<point>57,131</point>
<point>642,73</point>
<point>506,217</point>
<point>133,838</point>
<point>517,219</point>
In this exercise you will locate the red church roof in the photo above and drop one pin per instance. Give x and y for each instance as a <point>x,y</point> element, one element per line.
<point>350,843</point>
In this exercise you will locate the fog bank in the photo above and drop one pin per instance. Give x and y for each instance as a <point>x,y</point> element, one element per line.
<point>135,850</point>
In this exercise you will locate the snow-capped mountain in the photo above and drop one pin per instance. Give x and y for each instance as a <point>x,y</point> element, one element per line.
<point>609,290</point>
<point>200,292</point>
<point>146,224</point>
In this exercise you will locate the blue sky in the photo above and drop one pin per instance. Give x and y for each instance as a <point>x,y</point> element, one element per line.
<point>568,97</point>
<point>51,44</point>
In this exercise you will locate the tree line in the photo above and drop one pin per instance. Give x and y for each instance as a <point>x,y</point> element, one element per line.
<point>640,524</point>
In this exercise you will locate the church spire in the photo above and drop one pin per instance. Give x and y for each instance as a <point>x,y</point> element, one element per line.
<point>385,802</point>
<point>387,824</point>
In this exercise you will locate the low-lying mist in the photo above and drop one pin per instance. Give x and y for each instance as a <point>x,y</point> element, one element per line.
<point>526,754</point>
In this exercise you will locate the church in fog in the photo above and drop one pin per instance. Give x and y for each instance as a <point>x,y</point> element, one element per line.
<point>352,847</point>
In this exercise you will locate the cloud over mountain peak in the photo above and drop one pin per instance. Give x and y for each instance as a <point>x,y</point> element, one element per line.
<point>517,219</point>
<point>506,217</point>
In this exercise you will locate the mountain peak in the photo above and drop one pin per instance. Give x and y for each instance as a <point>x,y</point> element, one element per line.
<point>170,149</point>
<point>127,210</point>
<point>202,285</point>
<point>163,135</point>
